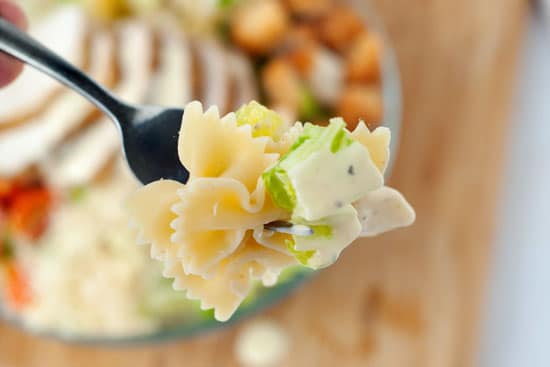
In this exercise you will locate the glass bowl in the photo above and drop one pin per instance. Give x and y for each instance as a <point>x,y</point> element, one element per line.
<point>294,278</point>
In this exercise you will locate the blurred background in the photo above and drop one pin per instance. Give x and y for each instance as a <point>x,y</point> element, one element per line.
<point>464,87</point>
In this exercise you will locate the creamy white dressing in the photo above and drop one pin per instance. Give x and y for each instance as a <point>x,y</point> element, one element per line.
<point>345,228</point>
<point>383,210</point>
<point>326,181</point>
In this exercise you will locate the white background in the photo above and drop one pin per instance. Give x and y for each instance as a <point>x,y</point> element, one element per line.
<point>517,315</point>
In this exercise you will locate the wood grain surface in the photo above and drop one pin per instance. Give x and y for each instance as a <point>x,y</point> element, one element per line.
<point>412,297</point>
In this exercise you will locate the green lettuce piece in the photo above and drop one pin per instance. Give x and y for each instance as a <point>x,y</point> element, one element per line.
<point>264,122</point>
<point>313,139</point>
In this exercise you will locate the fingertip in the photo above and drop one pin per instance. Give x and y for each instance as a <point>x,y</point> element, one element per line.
<point>9,67</point>
<point>13,13</point>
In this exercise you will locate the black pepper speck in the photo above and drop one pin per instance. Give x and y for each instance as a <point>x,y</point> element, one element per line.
<point>339,204</point>
<point>351,170</point>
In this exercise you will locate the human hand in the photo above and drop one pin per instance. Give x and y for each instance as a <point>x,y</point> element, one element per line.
<point>9,67</point>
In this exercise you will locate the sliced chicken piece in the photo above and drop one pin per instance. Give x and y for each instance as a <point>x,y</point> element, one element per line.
<point>84,156</point>
<point>214,76</point>
<point>172,84</point>
<point>25,145</point>
<point>244,84</point>
<point>65,31</point>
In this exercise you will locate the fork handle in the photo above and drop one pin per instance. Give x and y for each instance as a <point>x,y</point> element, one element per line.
<point>23,47</point>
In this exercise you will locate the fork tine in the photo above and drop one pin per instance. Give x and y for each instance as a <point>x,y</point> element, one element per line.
<point>281,226</point>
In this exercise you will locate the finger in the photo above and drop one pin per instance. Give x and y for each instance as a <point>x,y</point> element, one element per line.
<point>9,67</point>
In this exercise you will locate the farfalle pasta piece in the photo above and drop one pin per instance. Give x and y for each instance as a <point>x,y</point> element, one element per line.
<point>222,203</point>
<point>213,216</point>
<point>210,146</point>
<point>280,242</point>
<point>151,212</point>
<point>234,279</point>
<point>376,141</point>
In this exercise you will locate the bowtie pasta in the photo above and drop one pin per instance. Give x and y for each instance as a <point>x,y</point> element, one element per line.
<point>247,169</point>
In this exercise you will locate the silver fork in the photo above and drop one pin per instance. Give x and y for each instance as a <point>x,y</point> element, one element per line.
<point>149,133</point>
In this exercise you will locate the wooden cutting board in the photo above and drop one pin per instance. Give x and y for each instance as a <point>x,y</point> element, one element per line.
<point>412,297</point>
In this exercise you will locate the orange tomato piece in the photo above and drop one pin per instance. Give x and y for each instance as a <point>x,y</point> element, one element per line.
<point>7,188</point>
<point>29,212</point>
<point>18,291</point>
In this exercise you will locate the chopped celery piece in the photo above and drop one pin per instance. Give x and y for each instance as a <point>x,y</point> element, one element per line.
<point>340,141</point>
<point>264,122</point>
<point>280,188</point>
<point>313,139</point>
<point>320,231</point>
<point>302,256</point>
